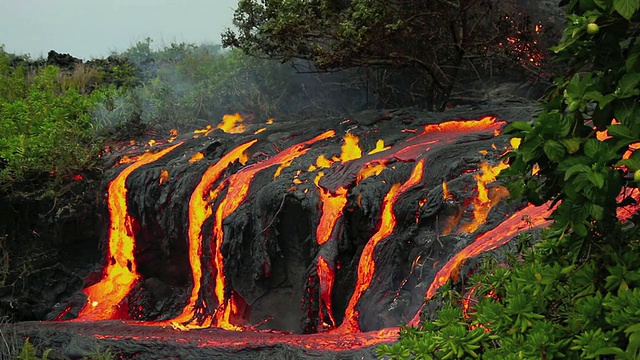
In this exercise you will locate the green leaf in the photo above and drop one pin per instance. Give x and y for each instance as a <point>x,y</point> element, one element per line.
<point>580,230</point>
<point>518,125</point>
<point>619,130</point>
<point>575,169</point>
<point>628,84</point>
<point>572,144</point>
<point>554,150</point>
<point>632,60</point>
<point>626,112</point>
<point>593,147</point>
<point>626,8</point>
<point>602,4</point>
<point>596,178</point>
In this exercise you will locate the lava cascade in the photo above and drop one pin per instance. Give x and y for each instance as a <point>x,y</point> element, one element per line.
<point>237,190</point>
<point>342,173</point>
<point>367,265</point>
<point>199,211</point>
<point>119,276</point>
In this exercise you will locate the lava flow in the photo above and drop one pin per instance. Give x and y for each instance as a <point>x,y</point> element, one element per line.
<point>199,211</point>
<point>529,217</point>
<point>367,264</point>
<point>237,190</point>
<point>349,243</point>
<point>120,275</point>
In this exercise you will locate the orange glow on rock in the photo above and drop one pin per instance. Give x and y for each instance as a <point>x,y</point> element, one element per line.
<point>482,204</point>
<point>366,264</point>
<point>237,189</point>
<point>196,157</point>
<point>327,278</point>
<point>445,191</point>
<point>529,217</point>
<point>281,167</point>
<point>379,147</point>
<point>260,130</point>
<point>332,207</point>
<point>206,130</point>
<point>351,148</point>
<point>369,170</point>
<point>119,276</point>
<point>199,212</point>
<point>323,162</point>
<point>535,169</point>
<point>462,125</point>
<point>164,176</point>
<point>231,124</point>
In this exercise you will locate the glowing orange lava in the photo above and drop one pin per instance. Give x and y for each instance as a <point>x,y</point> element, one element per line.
<point>529,217</point>
<point>199,212</point>
<point>350,149</point>
<point>232,124</point>
<point>370,169</point>
<point>196,157</point>
<point>327,277</point>
<point>119,276</point>
<point>482,203</point>
<point>332,207</point>
<point>379,147</point>
<point>238,187</point>
<point>366,264</point>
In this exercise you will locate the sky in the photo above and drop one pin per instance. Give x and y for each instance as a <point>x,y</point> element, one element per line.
<point>92,29</point>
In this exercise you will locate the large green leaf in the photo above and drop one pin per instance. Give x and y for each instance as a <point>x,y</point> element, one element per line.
<point>593,147</point>
<point>596,178</point>
<point>572,144</point>
<point>628,85</point>
<point>554,150</point>
<point>575,169</point>
<point>626,8</point>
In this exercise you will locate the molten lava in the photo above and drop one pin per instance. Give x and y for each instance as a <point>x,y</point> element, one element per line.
<point>119,276</point>
<point>529,217</point>
<point>332,207</point>
<point>482,203</point>
<point>199,212</point>
<point>367,265</point>
<point>232,124</point>
<point>237,190</point>
<point>214,302</point>
<point>327,277</point>
<point>379,147</point>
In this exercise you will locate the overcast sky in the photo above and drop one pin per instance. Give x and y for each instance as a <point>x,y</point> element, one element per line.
<point>92,28</point>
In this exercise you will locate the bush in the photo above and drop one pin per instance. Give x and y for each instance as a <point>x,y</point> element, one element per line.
<point>46,126</point>
<point>576,294</point>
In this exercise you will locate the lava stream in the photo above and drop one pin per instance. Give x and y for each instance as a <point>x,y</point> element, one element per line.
<point>199,212</point>
<point>531,216</point>
<point>366,264</point>
<point>237,190</point>
<point>120,274</point>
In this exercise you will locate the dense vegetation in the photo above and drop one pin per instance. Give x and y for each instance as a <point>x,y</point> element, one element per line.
<point>428,45</point>
<point>575,294</point>
<point>58,113</point>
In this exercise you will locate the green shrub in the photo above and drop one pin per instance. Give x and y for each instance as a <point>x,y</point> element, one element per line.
<point>45,126</point>
<point>575,295</point>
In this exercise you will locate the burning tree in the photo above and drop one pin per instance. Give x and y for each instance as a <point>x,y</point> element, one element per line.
<point>430,41</point>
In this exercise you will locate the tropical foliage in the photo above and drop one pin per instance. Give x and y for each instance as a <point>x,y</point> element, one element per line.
<point>575,294</point>
<point>432,39</point>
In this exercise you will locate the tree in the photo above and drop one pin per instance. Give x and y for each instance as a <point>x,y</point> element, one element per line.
<point>433,39</point>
